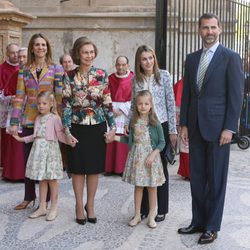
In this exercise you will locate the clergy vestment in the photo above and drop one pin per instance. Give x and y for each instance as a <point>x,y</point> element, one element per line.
<point>12,159</point>
<point>120,89</point>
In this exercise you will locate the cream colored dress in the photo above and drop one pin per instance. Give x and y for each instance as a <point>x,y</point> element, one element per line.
<point>45,160</point>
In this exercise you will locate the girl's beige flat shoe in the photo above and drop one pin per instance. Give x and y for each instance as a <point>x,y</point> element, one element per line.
<point>136,220</point>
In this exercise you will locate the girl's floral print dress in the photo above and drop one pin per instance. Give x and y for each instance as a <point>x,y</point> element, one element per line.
<point>136,172</point>
<point>45,161</point>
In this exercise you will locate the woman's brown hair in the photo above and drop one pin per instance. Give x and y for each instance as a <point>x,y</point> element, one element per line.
<point>75,52</point>
<point>139,72</point>
<point>31,55</point>
<point>152,118</point>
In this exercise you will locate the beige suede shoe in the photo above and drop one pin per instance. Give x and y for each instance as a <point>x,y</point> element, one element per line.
<point>39,212</point>
<point>52,212</point>
<point>51,215</point>
<point>136,220</point>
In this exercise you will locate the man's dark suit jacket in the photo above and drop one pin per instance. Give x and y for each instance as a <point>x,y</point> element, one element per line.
<point>217,106</point>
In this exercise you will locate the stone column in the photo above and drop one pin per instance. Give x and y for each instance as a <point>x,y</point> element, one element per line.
<point>11,22</point>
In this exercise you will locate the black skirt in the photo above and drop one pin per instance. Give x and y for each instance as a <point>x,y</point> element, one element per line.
<point>88,156</point>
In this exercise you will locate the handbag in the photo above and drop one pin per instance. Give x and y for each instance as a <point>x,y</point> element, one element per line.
<point>170,154</point>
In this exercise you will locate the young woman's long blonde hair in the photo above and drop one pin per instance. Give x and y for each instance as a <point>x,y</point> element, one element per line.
<point>49,96</point>
<point>152,118</point>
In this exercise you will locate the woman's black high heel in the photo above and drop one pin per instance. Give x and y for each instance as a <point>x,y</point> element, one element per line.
<point>81,221</point>
<point>90,220</point>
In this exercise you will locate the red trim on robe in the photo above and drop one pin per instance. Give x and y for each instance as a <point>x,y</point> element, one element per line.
<point>8,78</point>
<point>178,87</point>
<point>120,88</point>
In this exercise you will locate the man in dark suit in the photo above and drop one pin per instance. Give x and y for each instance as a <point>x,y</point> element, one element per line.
<point>211,105</point>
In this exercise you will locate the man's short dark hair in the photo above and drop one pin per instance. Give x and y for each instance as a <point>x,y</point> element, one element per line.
<point>209,16</point>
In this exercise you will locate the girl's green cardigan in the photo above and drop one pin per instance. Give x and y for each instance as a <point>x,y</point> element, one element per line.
<point>156,136</point>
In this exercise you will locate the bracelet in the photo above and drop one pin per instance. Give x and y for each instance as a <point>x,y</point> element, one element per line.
<point>67,132</point>
<point>113,127</point>
<point>68,135</point>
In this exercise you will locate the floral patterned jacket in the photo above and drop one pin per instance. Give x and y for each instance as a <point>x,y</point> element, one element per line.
<point>87,100</point>
<point>163,98</point>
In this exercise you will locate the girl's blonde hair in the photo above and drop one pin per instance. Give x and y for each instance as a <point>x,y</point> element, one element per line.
<point>139,71</point>
<point>152,118</point>
<point>49,96</point>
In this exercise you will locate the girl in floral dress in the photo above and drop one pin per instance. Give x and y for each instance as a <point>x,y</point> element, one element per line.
<point>143,166</point>
<point>45,162</point>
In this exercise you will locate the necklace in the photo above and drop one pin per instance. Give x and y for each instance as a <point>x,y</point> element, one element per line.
<point>84,74</point>
<point>83,77</point>
<point>39,70</point>
<point>40,67</point>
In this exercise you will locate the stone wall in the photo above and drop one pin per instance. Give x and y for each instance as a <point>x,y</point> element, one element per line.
<point>117,27</point>
<point>11,22</point>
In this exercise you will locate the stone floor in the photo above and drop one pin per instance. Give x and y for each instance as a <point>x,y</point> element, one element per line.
<point>114,207</point>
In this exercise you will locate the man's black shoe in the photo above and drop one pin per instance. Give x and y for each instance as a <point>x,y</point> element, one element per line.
<point>190,230</point>
<point>207,237</point>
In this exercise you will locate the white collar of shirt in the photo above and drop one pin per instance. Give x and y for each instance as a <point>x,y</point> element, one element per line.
<point>12,64</point>
<point>212,50</point>
<point>123,76</point>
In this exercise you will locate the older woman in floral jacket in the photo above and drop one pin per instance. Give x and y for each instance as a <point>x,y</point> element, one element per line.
<point>87,106</point>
